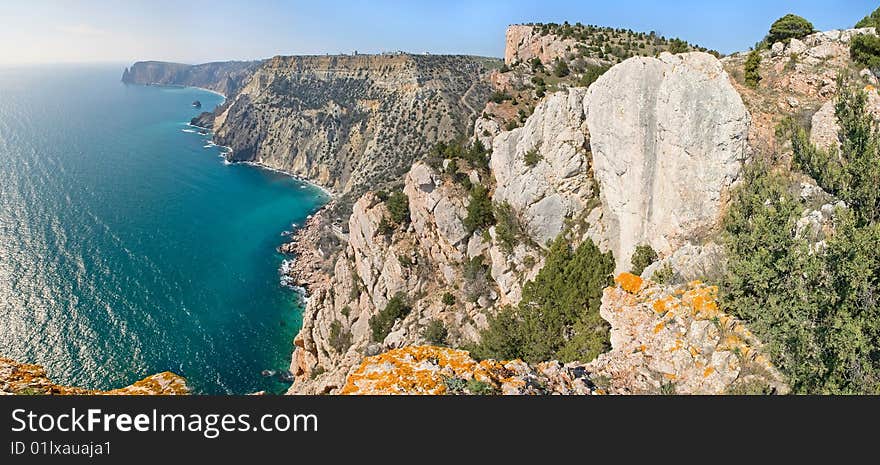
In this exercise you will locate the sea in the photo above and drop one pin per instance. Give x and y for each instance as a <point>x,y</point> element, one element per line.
<point>128,246</point>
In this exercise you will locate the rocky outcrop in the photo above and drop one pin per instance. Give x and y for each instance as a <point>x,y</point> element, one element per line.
<point>797,80</point>
<point>690,263</point>
<point>351,122</point>
<point>422,260</point>
<point>668,138</point>
<point>25,379</point>
<point>226,77</point>
<point>427,370</point>
<point>677,340</point>
<point>543,169</point>
<point>525,42</point>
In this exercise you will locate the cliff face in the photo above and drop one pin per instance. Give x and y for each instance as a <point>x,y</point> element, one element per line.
<point>351,122</point>
<point>668,138</point>
<point>573,167</point>
<point>226,78</point>
<point>25,379</point>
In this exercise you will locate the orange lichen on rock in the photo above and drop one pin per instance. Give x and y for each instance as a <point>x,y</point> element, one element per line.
<point>417,370</point>
<point>23,378</point>
<point>428,370</point>
<point>629,282</point>
<point>659,333</point>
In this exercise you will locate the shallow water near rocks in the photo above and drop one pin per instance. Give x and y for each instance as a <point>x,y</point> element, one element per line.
<point>127,246</point>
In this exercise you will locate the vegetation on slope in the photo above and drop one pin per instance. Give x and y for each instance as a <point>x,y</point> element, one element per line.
<point>558,317</point>
<point>872,20</point>
<point>816,307</point>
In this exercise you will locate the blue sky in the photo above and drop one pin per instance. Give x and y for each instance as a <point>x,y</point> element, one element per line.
<point>199,30</point>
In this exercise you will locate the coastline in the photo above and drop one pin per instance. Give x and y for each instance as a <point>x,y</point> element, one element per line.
<point>301,269</point>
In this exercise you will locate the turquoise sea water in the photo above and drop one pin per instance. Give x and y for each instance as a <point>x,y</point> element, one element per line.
<point>127,247</point>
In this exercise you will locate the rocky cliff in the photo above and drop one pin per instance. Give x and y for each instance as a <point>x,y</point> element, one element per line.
<point>586,162</point>
<point>644,156</point>
<point>226,78</point>
<point>351,122</point>
<point>25,379</point>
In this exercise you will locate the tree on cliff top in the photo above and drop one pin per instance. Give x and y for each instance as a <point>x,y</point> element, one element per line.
<point>872,20</point>
<point>789,27</point>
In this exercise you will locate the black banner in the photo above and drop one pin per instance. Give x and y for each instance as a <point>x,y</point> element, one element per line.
<point>385,429</point>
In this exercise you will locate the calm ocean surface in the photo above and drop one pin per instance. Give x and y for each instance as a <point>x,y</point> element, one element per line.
<point>127,247</point>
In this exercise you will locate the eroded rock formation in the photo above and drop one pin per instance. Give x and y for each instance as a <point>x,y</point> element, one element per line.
<point>668,138</point>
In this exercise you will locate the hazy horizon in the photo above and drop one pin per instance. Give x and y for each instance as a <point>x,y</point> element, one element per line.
<point>99,31</point>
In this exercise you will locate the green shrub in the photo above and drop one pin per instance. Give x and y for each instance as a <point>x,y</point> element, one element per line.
<point>340,339</point>
<point>664,275</point>
<point>398,207</point>
<point>386,227</point>
<point>592,74</point>
<point>455,385</point>
<point>480,388</point>
<point>872,20</point>
<point>865,49</point>
<point>382,322</point>
<point>852,172</point>
<point>508,228</point>
<point>479,210</point>
<point>558,316</point>
<point>642,258</point>
<point>560,69</point>
<point>532,157</point>
<point>752,69</point>
<point>499,97</point>
<point>789,27</point>
<point>813,310</point>
<point>448,299</point>
<point>678,46</point>
<point>667,389</point>
<point>435,333</point>
<point>536,65</point>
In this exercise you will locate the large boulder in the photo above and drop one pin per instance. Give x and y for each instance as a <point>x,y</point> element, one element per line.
<point>668,136</point>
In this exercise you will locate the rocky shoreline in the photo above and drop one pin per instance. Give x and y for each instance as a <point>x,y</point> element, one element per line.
<point>304,268</point>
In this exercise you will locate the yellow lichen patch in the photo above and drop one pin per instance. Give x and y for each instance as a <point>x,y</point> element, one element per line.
<point>694,351</point>
<point>870,88</point>
<point>629,282</point>
<point>662,305</point>
<point>708,371</point>
<point>677,346</point>
<point>23,378</point>
<point>669,376</point>
<point>419,370</point>
<point>658,327</point>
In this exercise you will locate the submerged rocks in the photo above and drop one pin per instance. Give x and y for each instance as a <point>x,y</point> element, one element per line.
<point>668,138</point>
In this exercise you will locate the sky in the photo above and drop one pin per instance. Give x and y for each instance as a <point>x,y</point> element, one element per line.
<point>196,31</point>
